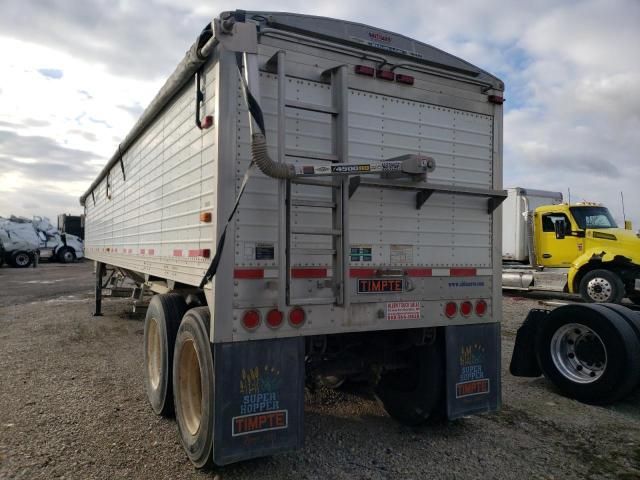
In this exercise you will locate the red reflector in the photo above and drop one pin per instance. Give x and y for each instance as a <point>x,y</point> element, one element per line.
<point>462,272</point>
<point>251,319</point>
<point>466,308</point>
<point>419,272</point>
<point>385,75</point>
<point>364,70</point>
<point>362,272</point>
<point>496,99</point>
<point>296,317</point>
<point>308,272</point>
<point>408,79</point>
<point>451,309</point>
<point>481,307</point>
<point>248,273</point>
<point>274,318</point>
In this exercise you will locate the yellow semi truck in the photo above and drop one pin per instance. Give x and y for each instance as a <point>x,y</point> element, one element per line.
<point>574,248</point>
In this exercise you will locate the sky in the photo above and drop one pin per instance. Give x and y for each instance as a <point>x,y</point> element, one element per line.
<point>75,76</point>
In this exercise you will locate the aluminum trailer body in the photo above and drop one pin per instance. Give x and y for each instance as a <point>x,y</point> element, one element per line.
<point>326,271</point>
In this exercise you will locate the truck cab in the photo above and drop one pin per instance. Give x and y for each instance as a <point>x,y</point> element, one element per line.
<point>603,259</point>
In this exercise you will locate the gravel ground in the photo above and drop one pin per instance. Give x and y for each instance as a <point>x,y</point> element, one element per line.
<point>72,405</point>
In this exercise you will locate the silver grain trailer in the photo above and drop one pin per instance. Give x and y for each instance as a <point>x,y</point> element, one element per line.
<point>312,200</point>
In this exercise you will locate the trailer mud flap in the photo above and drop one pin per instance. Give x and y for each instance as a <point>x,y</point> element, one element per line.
<point>259,398</point>
<point>473,369</point>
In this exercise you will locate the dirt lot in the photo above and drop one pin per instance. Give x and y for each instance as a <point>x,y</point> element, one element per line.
<point>72,405</point>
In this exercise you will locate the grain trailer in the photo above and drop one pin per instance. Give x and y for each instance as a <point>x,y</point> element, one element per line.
<point>312,200</point>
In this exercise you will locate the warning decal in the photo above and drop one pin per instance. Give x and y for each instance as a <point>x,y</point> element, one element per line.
<point>403,311</point>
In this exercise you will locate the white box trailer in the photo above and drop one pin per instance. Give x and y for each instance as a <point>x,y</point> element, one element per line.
<point>361,187</point>
<point>515,232</point>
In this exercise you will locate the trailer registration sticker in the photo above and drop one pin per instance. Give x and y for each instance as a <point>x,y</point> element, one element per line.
<point>380,285</point>
<point>403,311</point>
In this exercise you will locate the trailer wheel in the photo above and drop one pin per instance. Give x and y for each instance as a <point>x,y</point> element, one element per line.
<point>589,352</point>
<point>160,328</point>
<point>20,259</point>
<point>411,395</point>
<point>193,386</point>
<point>601,286</point>
<point>66,255</point>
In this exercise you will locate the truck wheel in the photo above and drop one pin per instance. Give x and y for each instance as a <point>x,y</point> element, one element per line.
<point>410,395</point>
<point>160,328</point>
<point>601,286</point>
<point>587,351</point>
<point>193,386</point>
<point>66,255</point>
<point>20,259</point>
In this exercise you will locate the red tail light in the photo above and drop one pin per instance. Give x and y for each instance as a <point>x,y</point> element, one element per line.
<point>274,318</point>
<point>296,317</point>
<point>497,99</point>
<point>364,70</point>
<point>407,79</point>
<point>466,308</point>
<point>451,309</point>
<point>481,308</point>
<point>385,75</point>
<point>251,319</point>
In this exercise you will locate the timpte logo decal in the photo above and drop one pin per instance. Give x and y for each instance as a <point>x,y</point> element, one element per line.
<point>260,408</point>
<point>472,380</point>
<point>375,285</point>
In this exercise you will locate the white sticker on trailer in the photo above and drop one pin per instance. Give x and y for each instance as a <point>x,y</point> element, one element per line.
<point>403,311</point>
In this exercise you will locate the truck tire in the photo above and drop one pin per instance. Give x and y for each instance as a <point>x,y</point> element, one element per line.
<point>21,259</point>
<point>590,353</point>
<point>193,387</point>
<point>412,395</point>
<point>160,327</point>
<point>66,255</point>
<point>601,286</point>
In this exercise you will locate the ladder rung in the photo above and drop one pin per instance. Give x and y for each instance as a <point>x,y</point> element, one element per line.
<point>312,107</point>
<point>300,202</point>
<point>329,157</point>
<point>314,251</point>
<point>312,301</point>
<point>315,231</point>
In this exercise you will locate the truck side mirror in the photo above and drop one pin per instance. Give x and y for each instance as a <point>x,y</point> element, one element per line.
<point>628,225</point>
<point>560,228</point>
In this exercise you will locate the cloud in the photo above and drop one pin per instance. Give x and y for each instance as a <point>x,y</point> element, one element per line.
<point>134,110</point>
<point>51,73</point>
<point>40,149</point>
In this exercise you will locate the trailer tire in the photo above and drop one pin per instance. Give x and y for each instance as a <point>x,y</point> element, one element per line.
<point>66,255</point>
<point>586,351</point>
<point>601,286</point>
<point>160,328</point>
<point>193,378</point>
<point>411,396</point>
<point>21,259</point>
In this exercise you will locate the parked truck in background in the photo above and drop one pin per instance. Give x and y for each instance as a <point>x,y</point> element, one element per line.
<point>73,224</point>
<point>549,245</point>
<point>323,207</point>
<point>25,241</point>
